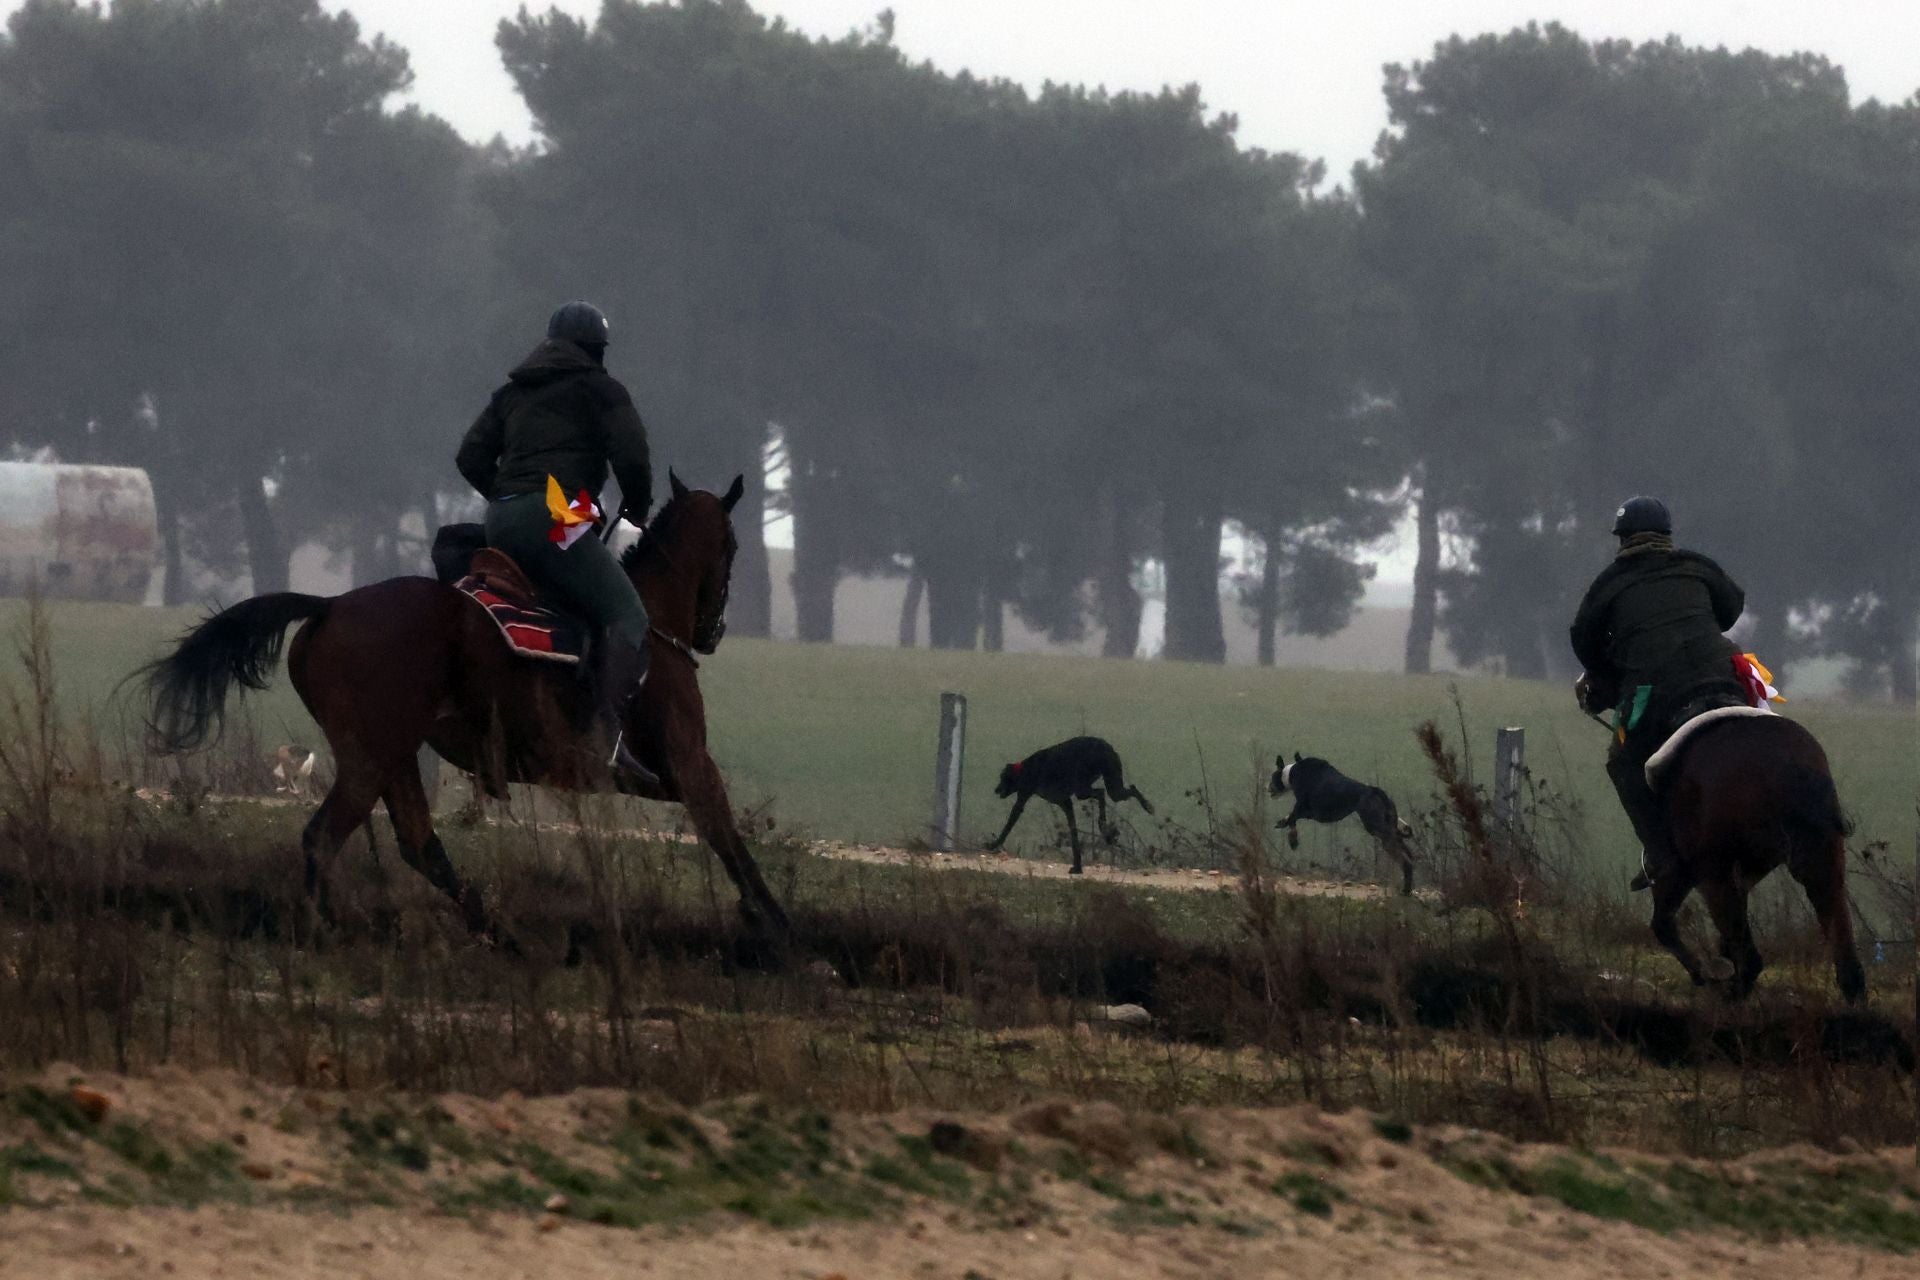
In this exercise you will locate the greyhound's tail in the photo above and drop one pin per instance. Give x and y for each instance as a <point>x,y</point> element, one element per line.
<point>1404,827</point>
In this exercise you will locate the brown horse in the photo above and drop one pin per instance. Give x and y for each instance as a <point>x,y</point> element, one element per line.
<point>1744,796</point>
<point>387,667</point>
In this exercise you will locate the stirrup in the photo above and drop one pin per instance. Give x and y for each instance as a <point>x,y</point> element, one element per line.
<point>622,760</point>
<point>1643,878</point>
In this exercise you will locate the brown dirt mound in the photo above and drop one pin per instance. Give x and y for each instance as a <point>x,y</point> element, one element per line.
<point>213,1175</point>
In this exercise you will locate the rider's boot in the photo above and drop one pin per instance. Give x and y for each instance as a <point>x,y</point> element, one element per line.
<point>1649,823</point>
<point>619,672</point>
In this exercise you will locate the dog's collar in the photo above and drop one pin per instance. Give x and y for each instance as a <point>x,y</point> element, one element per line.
<point>1018,765</point>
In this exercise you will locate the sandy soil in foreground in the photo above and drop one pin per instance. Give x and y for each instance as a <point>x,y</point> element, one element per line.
<point>58,1244</point>
<point>1398,1212</point>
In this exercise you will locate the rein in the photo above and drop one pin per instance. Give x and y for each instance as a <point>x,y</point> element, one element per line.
<point>675,642</point>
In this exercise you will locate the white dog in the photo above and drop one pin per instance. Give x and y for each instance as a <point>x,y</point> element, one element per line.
<point>293,771</point>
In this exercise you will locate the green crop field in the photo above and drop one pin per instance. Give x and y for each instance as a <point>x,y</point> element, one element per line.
<point>840,740</point>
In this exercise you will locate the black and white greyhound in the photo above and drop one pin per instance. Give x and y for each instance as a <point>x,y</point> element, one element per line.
<point>1321,793</point>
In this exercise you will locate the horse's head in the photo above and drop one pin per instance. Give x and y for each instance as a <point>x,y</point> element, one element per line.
<point>692,535</point>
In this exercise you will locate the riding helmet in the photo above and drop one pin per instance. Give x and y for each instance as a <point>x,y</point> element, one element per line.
<point>1641,515</point>
<point>581,323</point>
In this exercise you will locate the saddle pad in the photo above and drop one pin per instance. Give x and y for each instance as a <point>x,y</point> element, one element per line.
<point>532,631</point>
<point>1670,749</point>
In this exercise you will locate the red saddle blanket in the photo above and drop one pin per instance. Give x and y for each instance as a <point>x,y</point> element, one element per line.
<point>530,627</point>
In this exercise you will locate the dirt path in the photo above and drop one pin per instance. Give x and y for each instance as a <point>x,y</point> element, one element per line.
<point>1178,879</point>
<point>1181,879</point>
<point>73,1243</point>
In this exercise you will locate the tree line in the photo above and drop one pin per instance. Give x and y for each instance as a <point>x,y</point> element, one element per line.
<point>1013,345</point>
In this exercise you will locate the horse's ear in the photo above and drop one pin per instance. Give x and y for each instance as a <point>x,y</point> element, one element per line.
<point>1280,760</point>
<point>673,482</point>
<point>734,491</point>
<point>1296,757</point>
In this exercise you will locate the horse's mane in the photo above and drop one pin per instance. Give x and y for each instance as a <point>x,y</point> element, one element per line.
<point>651,537</point>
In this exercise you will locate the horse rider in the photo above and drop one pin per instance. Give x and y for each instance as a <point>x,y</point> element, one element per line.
<point>1650,633</point>
<point>556,427</point>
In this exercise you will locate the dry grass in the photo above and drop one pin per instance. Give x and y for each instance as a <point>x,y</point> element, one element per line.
<point>137,932</point>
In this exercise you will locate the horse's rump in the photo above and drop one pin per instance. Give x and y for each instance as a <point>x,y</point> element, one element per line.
<point>1762,779</point>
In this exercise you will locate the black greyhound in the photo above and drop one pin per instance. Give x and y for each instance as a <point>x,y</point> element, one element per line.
<point>1321,793</point>
<point>1061,774</point>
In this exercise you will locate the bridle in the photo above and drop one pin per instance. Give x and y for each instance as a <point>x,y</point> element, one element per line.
<point>709,619</point>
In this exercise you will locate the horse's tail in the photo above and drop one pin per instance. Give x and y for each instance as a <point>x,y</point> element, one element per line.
<point>1813,804</point>
<point>242,644</point>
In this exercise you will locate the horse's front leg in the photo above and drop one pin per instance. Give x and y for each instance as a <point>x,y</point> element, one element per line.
<point>705,795</point>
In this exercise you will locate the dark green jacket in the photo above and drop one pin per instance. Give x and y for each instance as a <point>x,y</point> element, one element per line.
<point>1657,618</point>
<point>559,414</point>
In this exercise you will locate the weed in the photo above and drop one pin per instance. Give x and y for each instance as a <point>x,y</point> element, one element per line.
<point>1308,1193</point>
<point>1393,1130</point>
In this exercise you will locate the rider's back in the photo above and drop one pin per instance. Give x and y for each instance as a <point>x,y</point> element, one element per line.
<point>560,414</point>
<point>1658,618</point>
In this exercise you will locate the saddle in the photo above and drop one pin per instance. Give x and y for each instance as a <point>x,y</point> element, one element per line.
<point>1694,718</point>
<point>531,625</point>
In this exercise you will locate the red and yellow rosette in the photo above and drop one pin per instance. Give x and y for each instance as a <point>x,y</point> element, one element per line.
<point>1756,680</point>
<point>570,519</point>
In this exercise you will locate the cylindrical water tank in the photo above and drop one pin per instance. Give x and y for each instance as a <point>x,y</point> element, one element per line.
<point>84,533</point>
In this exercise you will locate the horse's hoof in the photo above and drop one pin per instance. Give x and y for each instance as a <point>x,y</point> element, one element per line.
<point>1720,969</point>
<point>1074,871</point>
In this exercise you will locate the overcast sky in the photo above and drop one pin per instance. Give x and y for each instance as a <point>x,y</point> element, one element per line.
<point>1301,76</point>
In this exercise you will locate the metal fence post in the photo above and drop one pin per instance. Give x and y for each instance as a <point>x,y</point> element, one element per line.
<point>430,773</point>
<point>946,781</point>
<point>1509,769</point>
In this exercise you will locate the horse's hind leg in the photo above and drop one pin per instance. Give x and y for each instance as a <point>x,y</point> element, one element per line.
<point>1727,902</point>
<point>1823,880</point>
<point>406,799</point>
<point>348,804</point>
<point>1668,893</point>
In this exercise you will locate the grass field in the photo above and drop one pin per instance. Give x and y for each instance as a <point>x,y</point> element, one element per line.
<point>839,741</point>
